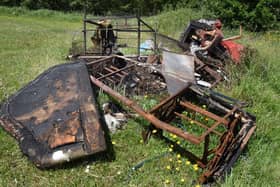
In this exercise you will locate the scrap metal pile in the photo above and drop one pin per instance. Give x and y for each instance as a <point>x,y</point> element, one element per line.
<point>56,117</point>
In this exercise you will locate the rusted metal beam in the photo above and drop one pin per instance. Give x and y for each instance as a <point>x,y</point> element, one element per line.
<point>218,123</point>
<point>115,72</point>
<point>196,122</point>
<point>151,118</point>
<point>100,60</point>
<point>204,112</point>
<point>116,69</point>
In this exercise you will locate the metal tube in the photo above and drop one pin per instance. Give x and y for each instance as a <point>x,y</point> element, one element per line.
<point>151,118</point>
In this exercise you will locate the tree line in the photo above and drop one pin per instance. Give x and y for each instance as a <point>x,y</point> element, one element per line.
<point>256,15</point>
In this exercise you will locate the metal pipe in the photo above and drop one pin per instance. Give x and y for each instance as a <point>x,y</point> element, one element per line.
<point>151,118</point>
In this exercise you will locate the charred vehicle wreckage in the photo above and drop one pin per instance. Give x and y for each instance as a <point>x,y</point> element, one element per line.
<point>56,117</point>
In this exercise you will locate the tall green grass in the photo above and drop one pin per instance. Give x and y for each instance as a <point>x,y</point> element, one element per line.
<point>32,41</point>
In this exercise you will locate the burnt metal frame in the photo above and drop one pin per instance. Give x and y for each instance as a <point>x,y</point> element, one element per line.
<point>137,30</point>
<point>201,66</point>
<point>163,113</point>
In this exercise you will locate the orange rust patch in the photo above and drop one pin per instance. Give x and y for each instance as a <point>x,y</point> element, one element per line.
<point>64,133</point>
<point>46,111</point>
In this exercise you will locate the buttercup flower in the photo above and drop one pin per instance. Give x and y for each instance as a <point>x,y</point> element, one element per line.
<point>167,181</point>
<point>195,167</point>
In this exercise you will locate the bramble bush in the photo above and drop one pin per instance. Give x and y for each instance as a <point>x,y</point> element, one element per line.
<point>255,15</point>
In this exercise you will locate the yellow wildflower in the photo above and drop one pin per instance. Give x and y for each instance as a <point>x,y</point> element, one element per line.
<point>154,131</point>
<point>188,162</point>
<point>195,167</point>
<point>177,169</point>
<point>168,167</point>
<point>170,160</point>
<point>179,161</point>
<point>170,149</point>
<point>171,146</point>
<point>192,122</point>
<point>167,181</point>
<point>182,180</point>
<point>178,156</point>
<point>141,141</point>
<point>178,142</point>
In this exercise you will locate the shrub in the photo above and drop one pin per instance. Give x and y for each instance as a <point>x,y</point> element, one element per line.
<point>254,15</point>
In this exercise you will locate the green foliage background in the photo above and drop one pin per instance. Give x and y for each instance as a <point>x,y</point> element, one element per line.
<point>256,15</point>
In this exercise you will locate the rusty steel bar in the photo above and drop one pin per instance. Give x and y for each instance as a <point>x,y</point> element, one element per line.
<point>151,118</point>
<point>204,112</point>
<point>100,60</point>
<point>127,59</point>
<point>206,147</point>
<point>163,102</point>
<point>217,123</point>
<point>115,72</point>
<point>112,71</point>
<point>114,68</point>
<point>196,122</point>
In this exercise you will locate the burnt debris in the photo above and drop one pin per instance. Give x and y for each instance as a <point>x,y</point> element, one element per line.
<point>56,117</point>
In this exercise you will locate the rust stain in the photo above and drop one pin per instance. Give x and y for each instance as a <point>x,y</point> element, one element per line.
<point>45,111</point>
<point>64,133</point>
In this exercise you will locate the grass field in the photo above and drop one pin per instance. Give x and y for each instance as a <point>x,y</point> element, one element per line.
<point>31,42</point>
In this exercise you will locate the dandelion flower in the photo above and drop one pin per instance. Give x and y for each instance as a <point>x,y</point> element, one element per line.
<point>170,149</point>
<point>195,167</point>
<point>178,156</point>
<point>141,141</point>
<point>113,142</point>
<point>168,167</point>
<point>192,122</point>
<point>177,169</point>
<point>170,159</point>
<point>188,162</point>
<point>182,180</point>
<point>154,131</point>
<point>197,185</point>
<point>167,181</point>
<point>178,142</point>
<point>179,161</point>
<point>171,145</point>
